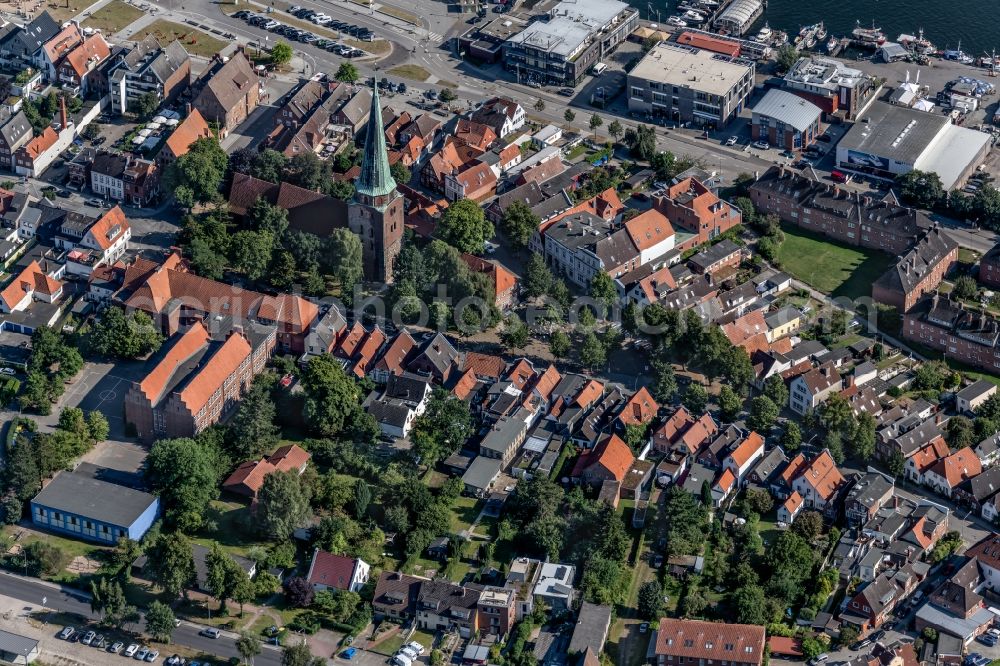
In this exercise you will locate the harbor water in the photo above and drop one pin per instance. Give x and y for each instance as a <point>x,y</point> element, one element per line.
<point>973,22</point>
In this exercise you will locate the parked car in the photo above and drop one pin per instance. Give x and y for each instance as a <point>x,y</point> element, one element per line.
<point>861,644</point>
<point>408,652</point>
<point>116,647</point>
<point>88,638</point>
<point>349,653</point>
<point>141,654</point>
<point>66,631</point>
<point>761,145</point>
<point>732,141</point>
<point>416,647</point>
<point>131,650</point>
<point>98,642</point>
<point>152,655</point>
<point>819,659</point>
<point>838,177</point>
<point>644,627</point>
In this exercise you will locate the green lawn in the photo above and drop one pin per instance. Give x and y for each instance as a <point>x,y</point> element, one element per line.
<point>194,41</point>
<point>834,269</point>
<point>463,513</point>
<point>229,532</point>
<point>113,17</point>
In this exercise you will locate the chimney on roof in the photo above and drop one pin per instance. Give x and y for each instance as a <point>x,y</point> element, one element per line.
<point>63,116</point>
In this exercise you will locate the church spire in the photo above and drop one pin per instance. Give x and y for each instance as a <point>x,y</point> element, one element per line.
<point>375,180</point>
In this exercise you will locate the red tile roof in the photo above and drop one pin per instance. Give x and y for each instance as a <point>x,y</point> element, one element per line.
<point>88,55</point>
<point>547,382</point>
<point>190,130</point>
<point>486,366</point>
<point>793,503</point>
<point>41,143</point>
<point>718,641</point>
<point>649,228</point>
<point>31,279</point>
<point>589,393</point>
<point>466,383</point>
<point>212,375</point>
<point>614,455</point>
<point>289,457</point>
<point>959,466</point>
<point>109,228</point>
<point>726,481</point>
<point>521,373</point>
<point>190,342</point>
<point>368,350</point>
<point>747,449</point>
<point>396,353</point>
<point>640,408</point>
<point>331,570</point>
<point>823,475</point>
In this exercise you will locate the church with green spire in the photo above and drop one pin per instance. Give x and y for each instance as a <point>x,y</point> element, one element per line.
<point>376,212</point>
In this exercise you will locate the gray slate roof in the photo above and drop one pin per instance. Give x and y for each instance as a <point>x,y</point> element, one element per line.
<point>97,500</point>
<point>16,644</point>
<point>929,250</point>
<point>789,109</point>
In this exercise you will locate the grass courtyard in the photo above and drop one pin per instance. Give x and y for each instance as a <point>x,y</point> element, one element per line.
<point>834,269</point>
<point>113,17</point>
<point>194,41</point>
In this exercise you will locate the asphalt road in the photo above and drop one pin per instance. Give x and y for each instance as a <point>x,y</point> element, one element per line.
<point>71,601</point>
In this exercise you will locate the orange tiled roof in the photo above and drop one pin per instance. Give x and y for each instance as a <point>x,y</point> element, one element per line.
<point>726,481</point>
<point>484,365</point>
<point>648,284</point>
<point>793,503</point>
<point>373,342</point>
<point>615,455</point>
<point>193,128</point>
<point>190,342</point>
<point>920,536</point>
<point>288,309</point>
<point>589,393</point>
<point>466,383</point>
<point>674,426</point>
<point>251,475</point>
<point>349,345</point>
<point>394,356</point>
<point>649,228</point>
<point>925,458</point>
<point>214,374</point>
<point>782,346</point>
<point>699,432</point>
<point>748,331</point>
<point>640,408</point>
<point>474,134</point>
<point>109,228</point>
<point>87,55</point>
<point>41,143</point>
<point>509,154</point>
<point>62,43</point>
<point>32,278</point>
<point>289,457</point>
<point>959,466</point>
<point>521,373</point>
<point>823,475</point>
<point>747,448</point>
<point>547,382</point>
<point>792,470</point>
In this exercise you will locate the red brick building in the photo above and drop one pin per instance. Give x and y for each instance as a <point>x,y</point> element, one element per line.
<point>971,337</point>
<point>918,272</point>
<point>693,207</point>
<point>690,642</point>
<point>496,609</point>
<point>989,268</point>
<point>824,208</point>
<point>196,383</point>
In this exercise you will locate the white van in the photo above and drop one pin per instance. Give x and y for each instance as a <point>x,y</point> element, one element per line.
<point>598,69</point>
<point>401,660</point>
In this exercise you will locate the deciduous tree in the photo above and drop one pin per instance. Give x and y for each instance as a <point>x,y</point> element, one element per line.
<point>160,621</point>
<point>465,227</point>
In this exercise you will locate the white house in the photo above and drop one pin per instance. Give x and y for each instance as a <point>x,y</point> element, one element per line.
<point>31,284</point>
<point>742,459</point>
<point>808,391</point>
<point>788,511</point>
<point>972,396</point>
<point>337,572</point>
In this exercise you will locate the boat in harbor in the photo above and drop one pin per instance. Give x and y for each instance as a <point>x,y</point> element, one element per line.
<point>868,36</point>
<point>958,55</point>
<point>918,44</point>
<point>693,16</point>
<point>677,22</point>
<point>832,45</point>
<point>820,32</point>
<point>764,34</point>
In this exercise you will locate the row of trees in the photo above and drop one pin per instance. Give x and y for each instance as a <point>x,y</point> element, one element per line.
<point>925,190</point>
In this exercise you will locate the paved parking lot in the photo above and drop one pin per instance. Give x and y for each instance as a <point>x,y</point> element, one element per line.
<point>102,386</point>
